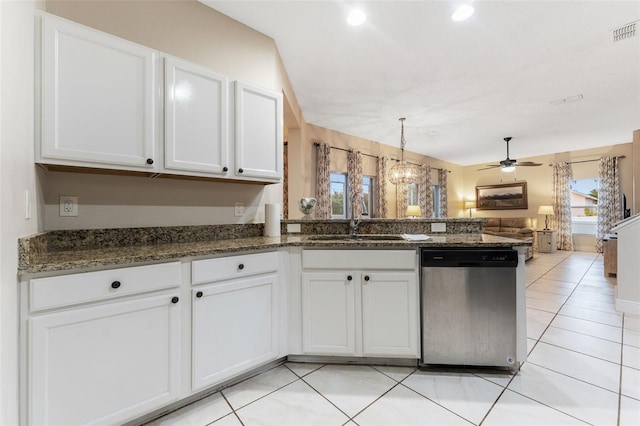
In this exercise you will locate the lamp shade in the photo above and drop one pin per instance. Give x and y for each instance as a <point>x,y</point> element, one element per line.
<point>545,210</point>
<point>470,204</point>
<point>413,211</point>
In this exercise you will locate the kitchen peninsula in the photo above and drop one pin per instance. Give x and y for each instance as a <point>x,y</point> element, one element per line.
<point>184,311</point>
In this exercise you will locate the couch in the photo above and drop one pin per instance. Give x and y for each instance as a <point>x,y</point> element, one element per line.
<point>520,228</point>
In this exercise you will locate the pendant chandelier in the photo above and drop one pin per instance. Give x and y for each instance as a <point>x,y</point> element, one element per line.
<point>404,173</point>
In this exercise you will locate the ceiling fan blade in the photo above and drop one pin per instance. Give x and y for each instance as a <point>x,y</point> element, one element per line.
<point>527,163</point>
<point>490,166</point>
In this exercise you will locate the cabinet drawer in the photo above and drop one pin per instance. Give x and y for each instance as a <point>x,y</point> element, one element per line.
<point>223,268</point>
<point>51,292</point>
<point>359,259</point>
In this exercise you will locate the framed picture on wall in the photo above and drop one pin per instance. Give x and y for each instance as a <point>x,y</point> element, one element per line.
<point>508,196</point>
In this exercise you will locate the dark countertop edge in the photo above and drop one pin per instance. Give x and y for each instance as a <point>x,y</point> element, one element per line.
<point>132,256</point>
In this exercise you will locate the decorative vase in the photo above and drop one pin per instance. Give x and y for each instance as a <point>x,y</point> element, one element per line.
<point>306,205</point>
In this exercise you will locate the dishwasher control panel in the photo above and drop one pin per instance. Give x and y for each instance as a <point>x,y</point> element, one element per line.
<point>485,258</point>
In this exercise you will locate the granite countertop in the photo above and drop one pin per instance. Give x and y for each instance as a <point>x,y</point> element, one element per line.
<point>74,259</point>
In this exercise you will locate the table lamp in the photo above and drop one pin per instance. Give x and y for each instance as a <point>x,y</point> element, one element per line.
<point>413,212</point>
<point>546,211</point>
<point>470,205</point>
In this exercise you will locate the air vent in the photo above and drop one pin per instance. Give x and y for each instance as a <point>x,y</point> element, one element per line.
<point>625,31</point>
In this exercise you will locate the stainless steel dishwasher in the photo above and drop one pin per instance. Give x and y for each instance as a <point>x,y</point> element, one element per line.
<point>468,306</point>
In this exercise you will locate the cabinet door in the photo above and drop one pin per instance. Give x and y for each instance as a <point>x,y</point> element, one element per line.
<point>103,364</point>
<point>328,313</point>
<point>97,98</point>
<point>390,314</point>
<point>235,328</point>
<point>196,105</point>
<point>258,133</point>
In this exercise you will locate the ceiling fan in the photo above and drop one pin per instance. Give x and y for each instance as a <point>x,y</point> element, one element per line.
<point>509,164</point>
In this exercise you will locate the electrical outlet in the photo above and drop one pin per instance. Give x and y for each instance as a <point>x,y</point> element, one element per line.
<point>438,227</point>
<point>239,209</point>
<point>68,205</point>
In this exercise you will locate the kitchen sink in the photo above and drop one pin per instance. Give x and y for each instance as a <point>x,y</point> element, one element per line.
<point>360,237</point>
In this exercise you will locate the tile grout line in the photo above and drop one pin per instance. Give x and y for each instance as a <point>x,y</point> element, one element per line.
<point>566,375</point>
<point>324,397</point>
<point>431,400</point>
<point>564,303</point>
<point>536,344</point>
<point>232,411</point>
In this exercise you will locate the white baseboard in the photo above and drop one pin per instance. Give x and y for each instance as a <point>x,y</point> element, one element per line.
<point>628,306</point>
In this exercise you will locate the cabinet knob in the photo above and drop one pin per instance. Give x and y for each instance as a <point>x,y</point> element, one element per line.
<point>175,299</point>
<point>225,169</point>
<point>366,278</point>
<point>241,266</point>
<point>115,284</point>
<point>240,171</point>
<point>349,277</point>
<point>149,161</point>
<point>199,294</point>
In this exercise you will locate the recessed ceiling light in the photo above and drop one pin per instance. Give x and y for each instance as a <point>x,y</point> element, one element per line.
<point>356,17</point>
<point>462,13</point>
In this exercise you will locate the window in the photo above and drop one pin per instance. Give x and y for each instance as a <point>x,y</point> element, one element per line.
<point>584,206</point>
<point>368,192</point>
<point>340,196</point>
<point>413,197</point>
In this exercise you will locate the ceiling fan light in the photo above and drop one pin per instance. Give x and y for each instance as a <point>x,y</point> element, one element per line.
<point>508,169</point>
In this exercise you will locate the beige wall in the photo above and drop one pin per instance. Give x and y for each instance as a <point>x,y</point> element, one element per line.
<point>302,164</point>
<point>540,182</point>
<point>17,182</point>
<point>540,179</point>
<point>193,31</point>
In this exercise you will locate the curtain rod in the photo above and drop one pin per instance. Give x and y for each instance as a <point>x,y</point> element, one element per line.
<point>375,156</point>
<point>587,161</point>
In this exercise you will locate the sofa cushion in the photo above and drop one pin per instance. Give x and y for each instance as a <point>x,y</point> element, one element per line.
<point>514,224</point>
<point>492,225</point>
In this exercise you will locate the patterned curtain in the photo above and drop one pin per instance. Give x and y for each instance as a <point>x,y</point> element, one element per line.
<point>442,182</point>
<point>323,180</point>
<point>401,200</point>
<point>561,220</point>
<point>609,207</point>
<point>354,176</point>
<point>426,192</point>
<point>382,205</point>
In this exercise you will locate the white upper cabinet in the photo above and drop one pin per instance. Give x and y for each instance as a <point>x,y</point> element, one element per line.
<point>258,133</point>
<point>97,99</point>
<point>196,119</point>
<point>101,103</point>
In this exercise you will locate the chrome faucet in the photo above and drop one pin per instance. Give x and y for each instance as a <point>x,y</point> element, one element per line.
<point>354,224</point>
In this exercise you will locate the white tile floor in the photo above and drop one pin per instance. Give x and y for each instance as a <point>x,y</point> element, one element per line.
<point>583,368</point>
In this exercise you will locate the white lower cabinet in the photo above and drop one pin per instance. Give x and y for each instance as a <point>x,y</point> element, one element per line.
<point>234,317</point>
<point>372,312</point>
<point>390,314</point>
<point>328,313</point>
<point>102,347</point>
<point>104,364</point>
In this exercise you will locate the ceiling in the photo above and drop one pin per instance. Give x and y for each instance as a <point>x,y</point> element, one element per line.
<point>515,68</point>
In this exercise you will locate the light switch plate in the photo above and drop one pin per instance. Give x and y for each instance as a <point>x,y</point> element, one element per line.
<point>439,227</point>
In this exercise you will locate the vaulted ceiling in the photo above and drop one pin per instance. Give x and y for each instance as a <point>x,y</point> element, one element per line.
<point>547,73</point>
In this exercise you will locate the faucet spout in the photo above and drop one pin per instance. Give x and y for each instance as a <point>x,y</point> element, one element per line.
<point>354,224</point>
